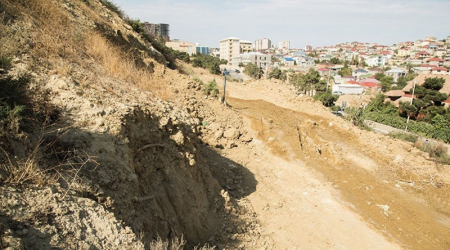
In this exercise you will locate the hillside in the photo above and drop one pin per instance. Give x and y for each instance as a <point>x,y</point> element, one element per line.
<point>107,144</point>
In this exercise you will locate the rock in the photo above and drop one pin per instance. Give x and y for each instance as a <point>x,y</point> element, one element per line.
<point>245,138</point>
<point>178,138</point>
<point>231,133</point>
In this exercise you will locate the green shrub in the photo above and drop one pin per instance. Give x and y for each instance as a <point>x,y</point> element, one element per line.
<point>211,88</point>
<point>13,101</point>
<point>5,62</point>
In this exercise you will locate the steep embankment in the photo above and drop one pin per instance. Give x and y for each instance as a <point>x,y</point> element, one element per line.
<point>97,158</point>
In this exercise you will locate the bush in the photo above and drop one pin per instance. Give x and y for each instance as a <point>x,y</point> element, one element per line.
<point>436,150</point>
<point>13,101</point>
<point>211,88</point>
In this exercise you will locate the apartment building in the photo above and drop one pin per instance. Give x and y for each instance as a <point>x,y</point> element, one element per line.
<point>182,46</point>
<point>246,46</point>
<point>158,30</point>
<point>229,48</point>
<point>232,47</point>
<point>284,45</point>
<point>260,59</point>
<point>263,44</point>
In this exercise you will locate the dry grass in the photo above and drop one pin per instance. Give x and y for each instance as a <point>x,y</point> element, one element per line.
<point>120,64</point>
<point>22,171</point>
<point>8,44</point>
<point>174,244</point>
<point>436,150</point>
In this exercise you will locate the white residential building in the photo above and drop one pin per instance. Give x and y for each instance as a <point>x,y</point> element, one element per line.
<point>262,44</point>
<point>229,48</point>
<point>260,59</point>
<point>284,44</point>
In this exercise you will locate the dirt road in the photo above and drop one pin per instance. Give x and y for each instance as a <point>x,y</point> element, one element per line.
<point>324,184</point>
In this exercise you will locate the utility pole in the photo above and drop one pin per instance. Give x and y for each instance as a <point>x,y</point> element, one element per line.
<point>225,73</point>
<point>412,98</point>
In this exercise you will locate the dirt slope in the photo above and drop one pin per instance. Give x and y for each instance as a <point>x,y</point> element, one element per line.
<point>358,181</point>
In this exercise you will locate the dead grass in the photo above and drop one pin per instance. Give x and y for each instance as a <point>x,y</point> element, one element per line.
<point>436,150</point>
<point>174,244</point>
<point>121,64</point>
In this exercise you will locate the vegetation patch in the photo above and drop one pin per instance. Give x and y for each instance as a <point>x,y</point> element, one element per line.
<point>211,88</point>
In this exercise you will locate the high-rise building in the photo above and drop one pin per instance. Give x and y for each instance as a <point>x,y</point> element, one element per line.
<point>263,44</point>
<point>229,48</point>
<point>284,45</point>
<point>158,30</point>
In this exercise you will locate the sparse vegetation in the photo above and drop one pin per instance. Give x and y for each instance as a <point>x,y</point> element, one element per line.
<point>207,62</point>
<point>436,150</point>
<point>211,88</point>
<point>404,136</point>
<point>253,71</point>
<point>112,6</point>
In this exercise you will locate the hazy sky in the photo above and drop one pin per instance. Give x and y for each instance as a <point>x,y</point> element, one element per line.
<point>302,22</point>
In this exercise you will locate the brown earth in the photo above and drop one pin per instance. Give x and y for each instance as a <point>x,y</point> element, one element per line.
<point>368,190</point>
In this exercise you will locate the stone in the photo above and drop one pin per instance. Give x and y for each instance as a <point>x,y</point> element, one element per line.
<point>231,133</point>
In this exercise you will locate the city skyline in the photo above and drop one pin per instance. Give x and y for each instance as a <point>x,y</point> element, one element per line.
<point>304,22</point>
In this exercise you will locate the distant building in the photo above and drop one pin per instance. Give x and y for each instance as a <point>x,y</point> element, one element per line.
<point>202,49</point>
<point>260,59</point>
<point>263,44</point>
<point>158,30</point>
<point>284,44</point>
<point>245,46</point>
<point>232,47</point>
<point>182,46</point>
<point>308,48</point>
<point>229,48</point>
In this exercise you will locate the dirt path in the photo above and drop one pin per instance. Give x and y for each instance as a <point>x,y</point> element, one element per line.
<point>324,184</point>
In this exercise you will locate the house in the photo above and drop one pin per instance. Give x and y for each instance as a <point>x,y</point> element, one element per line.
<point>288,61</point>
<point>396,73</point>
<point>323,71</point>
<point>394,95</point>
<point>359,72</point>
<point>349,89</point>
<point>436,61</point>
<point>420,79</point>
<point>440,71</point>
<point>260,59</point>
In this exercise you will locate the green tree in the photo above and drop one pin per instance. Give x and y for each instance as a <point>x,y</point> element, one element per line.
<point>326,98</point>
<point>379,75</point>
<point>346,71</point>
<point>386,83</point>
<point>253,71</point>
<point>241,64</point>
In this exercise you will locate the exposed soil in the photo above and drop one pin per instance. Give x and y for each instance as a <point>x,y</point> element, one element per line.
<point>327,184</point>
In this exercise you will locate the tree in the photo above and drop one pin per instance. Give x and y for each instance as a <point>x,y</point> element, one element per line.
<point>386,83</point>
<point>335,60</point>
<point>253,71</point>
<point>223,61</point>
<point>379,75</point>
<point>241,64</point>
<point>327,98</point>
<point>214,68</point>
<point>345,71</point>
